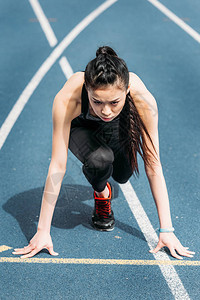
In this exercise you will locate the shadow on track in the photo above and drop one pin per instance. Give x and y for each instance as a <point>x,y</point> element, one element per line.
<point>70,210</point>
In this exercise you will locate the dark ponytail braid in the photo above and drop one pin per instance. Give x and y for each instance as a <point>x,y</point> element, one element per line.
<point>107,68</point>
<point>131,134</point>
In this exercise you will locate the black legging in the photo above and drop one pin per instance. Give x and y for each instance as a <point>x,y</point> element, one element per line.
<point>96,145</point>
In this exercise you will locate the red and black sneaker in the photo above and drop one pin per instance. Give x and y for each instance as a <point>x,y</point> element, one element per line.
<point>103,217</point>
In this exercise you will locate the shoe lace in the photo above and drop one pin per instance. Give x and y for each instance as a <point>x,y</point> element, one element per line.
<point>103,208</point>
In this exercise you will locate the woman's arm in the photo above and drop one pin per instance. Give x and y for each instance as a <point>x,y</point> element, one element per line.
<point>57,167</point>
<point>65,108</point>
<point>147,108</point>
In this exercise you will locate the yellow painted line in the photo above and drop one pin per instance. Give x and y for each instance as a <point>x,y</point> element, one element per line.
<point>88,261</point>
<point>4,248</point>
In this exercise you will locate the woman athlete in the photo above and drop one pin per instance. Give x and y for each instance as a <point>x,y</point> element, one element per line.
<point>105,116</point>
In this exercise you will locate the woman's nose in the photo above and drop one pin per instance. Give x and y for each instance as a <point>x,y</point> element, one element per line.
<point>106,111</point>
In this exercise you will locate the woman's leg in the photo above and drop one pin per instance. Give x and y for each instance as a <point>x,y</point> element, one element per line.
<point>122,169</point>
<point>99,162</point>
<point>96,156</point>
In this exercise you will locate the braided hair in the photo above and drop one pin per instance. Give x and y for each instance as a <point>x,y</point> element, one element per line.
<point>107,69</point>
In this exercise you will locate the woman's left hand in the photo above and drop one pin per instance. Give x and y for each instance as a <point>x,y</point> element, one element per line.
<point>170,240</point>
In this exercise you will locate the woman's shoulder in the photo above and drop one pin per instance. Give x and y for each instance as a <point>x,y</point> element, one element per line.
<point>72,89</point>
<point>136,84</point>
<point>141,96</point>
<point>69,97</point>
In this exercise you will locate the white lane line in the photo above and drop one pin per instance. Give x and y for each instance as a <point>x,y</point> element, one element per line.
<point>51,38</point>
<point>195,35</point>
<point>66,67</point>
<point>45,67</point>
<point>142,219</point>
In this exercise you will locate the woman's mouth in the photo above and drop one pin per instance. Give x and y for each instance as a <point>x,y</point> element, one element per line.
<point>106,119</point>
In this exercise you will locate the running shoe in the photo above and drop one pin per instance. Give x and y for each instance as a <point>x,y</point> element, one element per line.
<point>103,217</point>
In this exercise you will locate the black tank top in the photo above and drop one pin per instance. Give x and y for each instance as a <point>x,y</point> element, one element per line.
<point>109,130</point>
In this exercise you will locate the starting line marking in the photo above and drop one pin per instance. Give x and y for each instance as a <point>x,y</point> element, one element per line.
<point>88,261</point>
<point>4,248</point>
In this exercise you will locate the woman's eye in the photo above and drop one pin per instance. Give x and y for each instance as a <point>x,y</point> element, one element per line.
<point>98,102</point>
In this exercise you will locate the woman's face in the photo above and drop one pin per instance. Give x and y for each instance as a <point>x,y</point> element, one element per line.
<point>107,102</point>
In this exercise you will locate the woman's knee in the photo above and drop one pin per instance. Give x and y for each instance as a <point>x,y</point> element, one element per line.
<point>100,158</point>
<point>122,178</point>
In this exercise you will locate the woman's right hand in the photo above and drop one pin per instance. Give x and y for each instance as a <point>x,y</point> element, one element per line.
<point>40,240</point>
